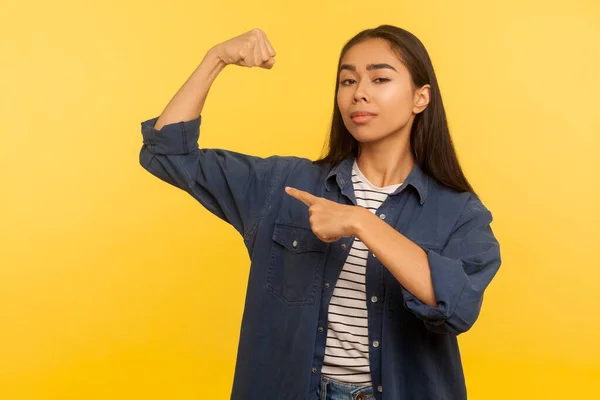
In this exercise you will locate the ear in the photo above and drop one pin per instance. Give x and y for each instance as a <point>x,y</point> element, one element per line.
<point>421,99</point>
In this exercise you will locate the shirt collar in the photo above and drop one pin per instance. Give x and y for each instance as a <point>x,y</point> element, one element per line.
<point>342,172</point>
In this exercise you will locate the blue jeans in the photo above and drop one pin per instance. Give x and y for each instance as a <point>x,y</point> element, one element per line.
<point>330,389</point>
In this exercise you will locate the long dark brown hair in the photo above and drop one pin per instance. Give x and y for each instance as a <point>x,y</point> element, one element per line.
<point>430,140</point>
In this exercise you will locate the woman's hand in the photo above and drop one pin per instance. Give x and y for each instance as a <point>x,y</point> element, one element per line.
<point>329,220</point>
<point>250,49</point>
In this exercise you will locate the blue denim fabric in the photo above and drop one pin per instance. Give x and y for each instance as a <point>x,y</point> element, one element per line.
<point>293,273</point>
<point>330,389</point>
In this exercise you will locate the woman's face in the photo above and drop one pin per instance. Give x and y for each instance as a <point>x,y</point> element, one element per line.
<point>373,80</point>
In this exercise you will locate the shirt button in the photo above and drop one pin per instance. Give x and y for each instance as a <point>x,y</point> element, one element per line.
<point>375,343</point>
<point>320,329</point>
<point>374,299</point>
<point>380,388</point>
<point>382,216</point>
<point>314,370</point>
<point>343,245</point>
<point>295,244</point>
<point>326,285</point>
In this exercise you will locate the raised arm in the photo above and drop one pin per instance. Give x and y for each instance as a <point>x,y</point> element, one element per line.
<point>234,186</point>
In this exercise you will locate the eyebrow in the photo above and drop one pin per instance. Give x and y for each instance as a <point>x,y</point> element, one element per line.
<point>370,67</point>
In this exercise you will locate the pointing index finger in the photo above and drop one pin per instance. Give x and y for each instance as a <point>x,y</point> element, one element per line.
<point>301,195</point>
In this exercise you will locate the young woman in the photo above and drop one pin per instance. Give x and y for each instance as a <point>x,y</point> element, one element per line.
<point>365,264</point>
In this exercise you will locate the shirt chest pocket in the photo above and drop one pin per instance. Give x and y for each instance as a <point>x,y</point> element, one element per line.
<point>296,264</point>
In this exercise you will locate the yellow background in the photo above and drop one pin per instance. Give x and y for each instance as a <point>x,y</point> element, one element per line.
<point>115,285</point>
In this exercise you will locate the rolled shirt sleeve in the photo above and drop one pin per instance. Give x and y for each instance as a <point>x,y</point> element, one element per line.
<point>172,139</point>
<point>460,273</point>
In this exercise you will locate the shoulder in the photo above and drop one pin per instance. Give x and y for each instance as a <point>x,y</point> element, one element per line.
<point>456,205</point>
<point>302,166</point>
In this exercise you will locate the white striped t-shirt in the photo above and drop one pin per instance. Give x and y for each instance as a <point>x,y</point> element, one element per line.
<point>347,346</point>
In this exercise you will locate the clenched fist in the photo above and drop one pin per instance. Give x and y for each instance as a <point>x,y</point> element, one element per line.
<point>250,49</point>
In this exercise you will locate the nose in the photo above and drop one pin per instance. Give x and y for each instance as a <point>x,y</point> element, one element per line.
<point>360,94</point>
<point>359,98</point>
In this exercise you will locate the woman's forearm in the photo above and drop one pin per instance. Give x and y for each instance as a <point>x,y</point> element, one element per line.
<point>189,100</point>
<point>403,258</point>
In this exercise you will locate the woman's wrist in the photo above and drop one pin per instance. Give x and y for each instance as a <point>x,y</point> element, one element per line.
<point>360,220</point>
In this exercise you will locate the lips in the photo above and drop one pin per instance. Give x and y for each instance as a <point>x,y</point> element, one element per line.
<point>361,117</point>
<point>361,114</point>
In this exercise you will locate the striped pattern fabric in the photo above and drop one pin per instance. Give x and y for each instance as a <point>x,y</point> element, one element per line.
<point>347,346</point>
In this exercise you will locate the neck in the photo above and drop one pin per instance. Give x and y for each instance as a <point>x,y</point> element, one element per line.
<point>388,161</point>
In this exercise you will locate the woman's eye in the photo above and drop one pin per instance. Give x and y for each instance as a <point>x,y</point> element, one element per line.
<point>346,82</point>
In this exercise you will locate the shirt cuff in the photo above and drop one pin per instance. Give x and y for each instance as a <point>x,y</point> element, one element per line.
<point>449,280</point>
<point>172,139</point>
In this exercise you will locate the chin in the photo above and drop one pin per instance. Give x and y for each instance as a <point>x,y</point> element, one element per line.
<point>366,137</point>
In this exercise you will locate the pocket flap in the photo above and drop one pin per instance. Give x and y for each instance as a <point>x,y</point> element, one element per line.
<point>297,239</point>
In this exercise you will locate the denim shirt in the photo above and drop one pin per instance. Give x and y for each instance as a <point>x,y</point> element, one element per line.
<point>413,348</point>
